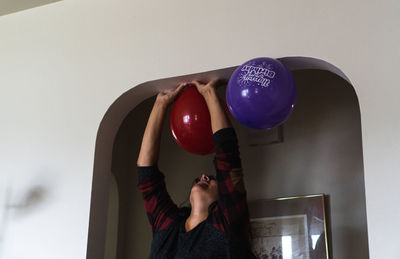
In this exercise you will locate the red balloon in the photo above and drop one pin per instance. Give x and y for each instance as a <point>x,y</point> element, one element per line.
<point>190,123</point>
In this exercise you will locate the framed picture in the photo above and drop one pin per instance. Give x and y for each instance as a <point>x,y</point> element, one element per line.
<point>289,228</point>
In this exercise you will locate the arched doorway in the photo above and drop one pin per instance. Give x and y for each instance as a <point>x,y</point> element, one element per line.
<point>321,152</point>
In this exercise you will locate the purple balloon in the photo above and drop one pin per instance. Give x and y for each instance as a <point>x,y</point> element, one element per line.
<point>261,93</point>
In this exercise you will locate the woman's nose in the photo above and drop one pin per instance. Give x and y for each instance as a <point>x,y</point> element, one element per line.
<point>205,177</point>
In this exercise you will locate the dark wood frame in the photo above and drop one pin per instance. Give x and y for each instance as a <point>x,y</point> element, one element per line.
<point>311,206</point>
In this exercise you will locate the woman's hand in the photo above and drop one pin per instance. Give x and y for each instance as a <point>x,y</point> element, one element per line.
<point>166,97</point>
<point>219,118</point>
<point>206,89</point>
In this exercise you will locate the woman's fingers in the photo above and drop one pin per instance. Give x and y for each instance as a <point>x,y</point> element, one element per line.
<point>196,83</point>
<point>213,82</point>
<point>175,91</point>
<point>180,87</point>
<point>218,82</point>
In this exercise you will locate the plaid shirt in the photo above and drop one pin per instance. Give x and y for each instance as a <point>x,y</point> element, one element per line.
<point>230,213</point>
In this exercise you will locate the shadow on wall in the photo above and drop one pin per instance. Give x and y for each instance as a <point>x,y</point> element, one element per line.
<point>19,204</point>
<point>7,7</point>
<point>321,153</point>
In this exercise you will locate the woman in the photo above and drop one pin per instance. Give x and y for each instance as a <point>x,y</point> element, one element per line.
<point>217,224</point>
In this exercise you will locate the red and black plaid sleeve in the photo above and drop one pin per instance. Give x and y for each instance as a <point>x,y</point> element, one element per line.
<point>161,210</point>
<point>231,213</point>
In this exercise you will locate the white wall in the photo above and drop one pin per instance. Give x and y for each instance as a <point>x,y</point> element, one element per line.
<point>62,66</point>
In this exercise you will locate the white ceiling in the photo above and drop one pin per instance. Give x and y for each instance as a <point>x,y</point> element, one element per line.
<point>12,6</point>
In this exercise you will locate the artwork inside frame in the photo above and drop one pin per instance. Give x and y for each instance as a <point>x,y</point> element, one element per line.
<point>289,228</point>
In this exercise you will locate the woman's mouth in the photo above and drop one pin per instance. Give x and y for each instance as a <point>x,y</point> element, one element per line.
<point>203,184</point>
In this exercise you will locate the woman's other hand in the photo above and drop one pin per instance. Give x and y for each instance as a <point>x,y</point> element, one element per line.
<point>206,89</point>
<point>209,88</point>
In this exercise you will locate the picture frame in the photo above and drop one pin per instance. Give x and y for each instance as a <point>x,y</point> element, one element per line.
<point>289,228</point>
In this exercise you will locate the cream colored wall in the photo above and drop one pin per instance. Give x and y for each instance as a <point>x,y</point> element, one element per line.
<point>62,65</point>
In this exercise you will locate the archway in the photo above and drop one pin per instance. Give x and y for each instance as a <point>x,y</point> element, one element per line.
<point>310,129</point>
